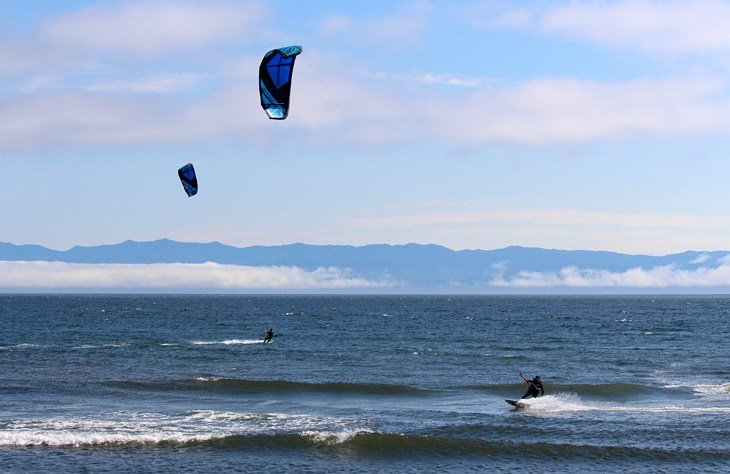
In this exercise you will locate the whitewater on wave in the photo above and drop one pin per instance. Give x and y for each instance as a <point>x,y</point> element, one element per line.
<point>156,428</point>
<point>103,346</point>
<point>226,342</point>
<point>564,403</point>
<point>703,389</point>
<point>217,383</point>
<point>255,431</point>
<point>23,345</point>
<point>710,389</point>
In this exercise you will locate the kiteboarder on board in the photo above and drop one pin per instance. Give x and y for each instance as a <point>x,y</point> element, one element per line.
<point>269,336</point>
<point>535,386</point>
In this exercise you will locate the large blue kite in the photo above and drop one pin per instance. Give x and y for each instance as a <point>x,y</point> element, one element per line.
<point>275,75</point>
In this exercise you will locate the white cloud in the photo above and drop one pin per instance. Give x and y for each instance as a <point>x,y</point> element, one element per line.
<point>118,117</point>
<point>666,27</point>
<point>152,28</point>
<point>539,112</point>
<point>542,111</point>
<point>48,121</point>
<point>448,80</point>
<point>536,112</point>
<point>206,275</point>
<point>128,34</point>
<point>336,107</point>
<point>341,106</point>
<point>440,79</point>
<point>657,277</point>
<point>574,111</point>
<point>42,82</point>
<point>19,57</point>
<point>163,83</point>
<point>701,259</point>
<point>104,81</point>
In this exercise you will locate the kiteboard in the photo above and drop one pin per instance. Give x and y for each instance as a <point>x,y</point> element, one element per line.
<point>516,403</point>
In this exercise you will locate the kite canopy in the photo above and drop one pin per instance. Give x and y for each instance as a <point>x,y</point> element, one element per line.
<point>188,179</point>
<point>275,75</point>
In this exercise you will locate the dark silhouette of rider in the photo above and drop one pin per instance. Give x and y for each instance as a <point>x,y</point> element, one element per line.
<point>535,386</point>
<point>269,336</point>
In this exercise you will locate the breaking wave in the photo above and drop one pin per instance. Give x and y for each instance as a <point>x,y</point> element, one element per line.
<point>214,383</point>
<point>709,389</point>
<point>254,432</point>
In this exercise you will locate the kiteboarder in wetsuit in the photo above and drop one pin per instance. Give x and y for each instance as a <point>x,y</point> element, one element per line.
<point>535,386</point>
<point>269,336</point>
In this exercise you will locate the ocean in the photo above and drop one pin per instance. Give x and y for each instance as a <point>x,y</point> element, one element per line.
<point>146,383</point>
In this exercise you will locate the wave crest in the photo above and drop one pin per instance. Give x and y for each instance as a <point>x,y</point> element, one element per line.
<point>709,389</point>
<point>215,383</point>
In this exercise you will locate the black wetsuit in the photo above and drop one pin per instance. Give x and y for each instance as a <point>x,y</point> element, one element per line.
<point>269,336</point>
<point>535,388</point>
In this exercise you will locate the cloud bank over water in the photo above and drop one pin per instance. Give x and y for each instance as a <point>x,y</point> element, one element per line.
<point>667,276</point>
<point>176,275</point>
<point>61,275</point>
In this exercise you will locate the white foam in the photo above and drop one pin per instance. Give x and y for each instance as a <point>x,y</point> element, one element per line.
<point>699,387</point>
<point>102,346</point>
<point>563,403</point>
<point>242,341</point>
<point>207,379</point>
<point>670,409</point>
<point>227,342</point>
<point>150,428</point>
<point>719,389</point>
<point>20,346</point>
<point>333,437</point>
<point>39,438</point>
<point>228,416</point>
<point>558,403</point>
<point>23,345</point>
<point>81,432</point>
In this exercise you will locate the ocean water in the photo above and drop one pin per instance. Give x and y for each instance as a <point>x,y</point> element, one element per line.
<point>363,383</point>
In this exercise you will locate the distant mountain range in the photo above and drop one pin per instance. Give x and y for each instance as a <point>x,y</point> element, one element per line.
<point>411,265</point>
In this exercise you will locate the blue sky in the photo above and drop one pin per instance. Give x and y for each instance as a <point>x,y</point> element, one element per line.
<point>471,124</point>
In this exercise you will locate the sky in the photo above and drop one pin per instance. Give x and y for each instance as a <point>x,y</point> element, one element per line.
<point>470,124</point>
